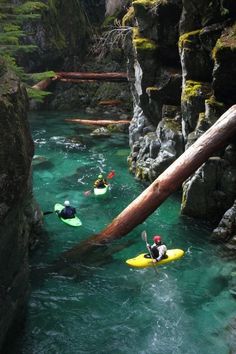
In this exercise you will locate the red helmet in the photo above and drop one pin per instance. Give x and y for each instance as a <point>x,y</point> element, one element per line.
<point>157,239</point>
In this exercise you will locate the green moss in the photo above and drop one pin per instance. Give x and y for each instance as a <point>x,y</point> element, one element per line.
<point>201,117</point>
<point>227,42</point>
<point>143,43</point>
<point>201,123</point>
<point>184,200</point>
<point>195,89</point>
<point>213,103</point>
<point>128,17</point>
<point>145,2</point>
<point>173,125</point>
<point>109,20</point>
<point>149,3</point>
<point>61,20</point>
<point>187,38</point>
<point>151,89</point>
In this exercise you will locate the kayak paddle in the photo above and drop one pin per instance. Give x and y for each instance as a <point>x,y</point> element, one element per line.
<point>144,238</point>
<point>48,212</point>
<point>111,174</point>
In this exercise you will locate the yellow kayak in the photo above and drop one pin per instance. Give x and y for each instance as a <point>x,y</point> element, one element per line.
<point>142,262</point>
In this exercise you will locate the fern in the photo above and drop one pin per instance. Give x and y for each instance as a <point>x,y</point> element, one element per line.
<point>42,76</point>
<point>12,16</point>
<point>30,7</point>
<point>37,95</point>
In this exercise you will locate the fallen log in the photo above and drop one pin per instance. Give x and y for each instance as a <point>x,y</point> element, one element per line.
<point>109,76</point>
<point>77,81</point>
<point>43,84</point>
<point>110,103</point>
<point>168,182</point>
<point>101,122</point>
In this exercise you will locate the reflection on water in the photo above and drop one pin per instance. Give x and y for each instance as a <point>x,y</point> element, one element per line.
<point>108,307</point>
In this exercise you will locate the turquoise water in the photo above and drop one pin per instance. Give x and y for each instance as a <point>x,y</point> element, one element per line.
<point>109,307</point>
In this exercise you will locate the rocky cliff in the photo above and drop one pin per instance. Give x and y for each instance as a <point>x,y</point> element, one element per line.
<point>18,218</point>
<point>183,56</point>
<point>61,35</point>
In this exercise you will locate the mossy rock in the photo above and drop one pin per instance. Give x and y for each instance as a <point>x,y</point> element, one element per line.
<point>214,103</point>
<point>173,125</point>
<point>195,89</point>
<point>128,17</point>
<point>144,44</point>
<point>226,43</point>
<point>146,3</point>
<point>189,38</point>
<point>224,74</point>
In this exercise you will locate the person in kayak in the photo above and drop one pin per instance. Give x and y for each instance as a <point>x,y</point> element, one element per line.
<point>158,249</point>
<point>68,212</point>
<point>100,182</point>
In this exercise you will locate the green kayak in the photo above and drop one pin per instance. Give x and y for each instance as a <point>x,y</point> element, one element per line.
<point>72,222</point>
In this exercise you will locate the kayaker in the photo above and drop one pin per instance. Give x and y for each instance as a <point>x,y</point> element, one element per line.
<point>68,212</point>
<point>158,249</point>
<point>100,182</point>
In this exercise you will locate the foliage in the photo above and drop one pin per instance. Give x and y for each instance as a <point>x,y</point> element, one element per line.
<point>37,95</point>
<point>42,76</point>
<point>12,18</point>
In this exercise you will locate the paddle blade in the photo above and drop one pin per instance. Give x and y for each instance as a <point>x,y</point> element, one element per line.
<point>87,193</point>
<point>48,212</point>
<point>144,236</point>
<point>111,174</point>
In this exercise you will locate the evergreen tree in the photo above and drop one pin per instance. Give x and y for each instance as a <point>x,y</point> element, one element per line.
<point>12,17</point>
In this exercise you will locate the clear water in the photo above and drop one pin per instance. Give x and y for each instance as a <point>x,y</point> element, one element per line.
<point>111,308</point>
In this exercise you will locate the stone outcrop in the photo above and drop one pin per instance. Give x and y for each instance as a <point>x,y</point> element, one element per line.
<point>183,55</point>
<point>18,215</point>
<point>61,35</point>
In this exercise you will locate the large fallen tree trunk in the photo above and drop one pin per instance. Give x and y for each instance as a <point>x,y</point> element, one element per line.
<point>101,122</point>
<point>109,76</point>
<point>169,181</point>
<point>43,84</point>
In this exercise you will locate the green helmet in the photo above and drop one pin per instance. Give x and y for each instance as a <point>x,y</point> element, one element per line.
<point>100,177</point>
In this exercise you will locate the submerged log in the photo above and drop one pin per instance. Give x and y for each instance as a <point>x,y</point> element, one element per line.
<point>168,182</point>
<point>103,122</point>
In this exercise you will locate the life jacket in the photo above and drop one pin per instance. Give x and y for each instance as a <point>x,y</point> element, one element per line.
<point>158,250</point>
<point>68,212</point>
<point>100,183</point>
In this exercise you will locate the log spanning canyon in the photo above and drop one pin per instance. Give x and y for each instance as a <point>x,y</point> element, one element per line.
<point>80,77</point>
<point>214,139</point>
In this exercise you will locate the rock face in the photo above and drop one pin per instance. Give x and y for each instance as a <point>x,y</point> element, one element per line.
<point>61,35</point>
<point>17,216</point>
<point>182,73</point>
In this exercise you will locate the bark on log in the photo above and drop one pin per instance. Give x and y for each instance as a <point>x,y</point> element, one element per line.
<point>103,123</point>
<point>110,103</point>
<point>168,182</point>
<point>77,81</point>
<point>109,76</point>
<point>43,84</point>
